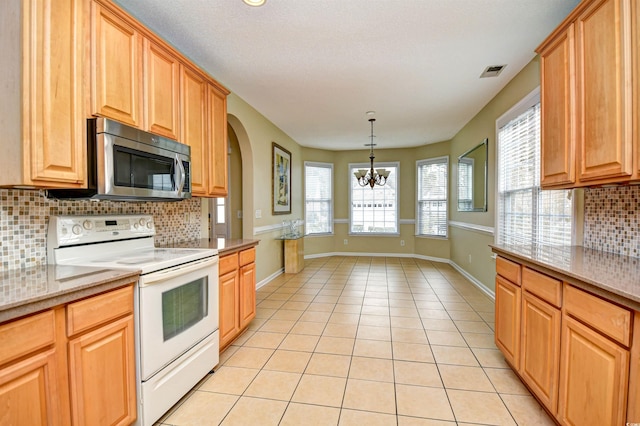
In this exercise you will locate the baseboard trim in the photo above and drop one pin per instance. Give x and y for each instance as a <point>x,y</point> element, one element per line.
<point>473,280</point>
<point>270,278</point>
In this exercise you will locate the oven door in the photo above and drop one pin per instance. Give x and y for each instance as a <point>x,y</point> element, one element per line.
<point>128,168</point>
<point>178,308</point>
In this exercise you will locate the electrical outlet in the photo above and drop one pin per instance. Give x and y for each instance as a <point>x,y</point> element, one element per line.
<point>402,243</point>
<point>258,214</point>
<point>469,258</point>
<point>239,214</point>
<point>346,241</point>
<point>186,217</point>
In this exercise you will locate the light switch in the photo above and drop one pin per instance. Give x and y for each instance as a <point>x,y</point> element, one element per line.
<point>258,214</point>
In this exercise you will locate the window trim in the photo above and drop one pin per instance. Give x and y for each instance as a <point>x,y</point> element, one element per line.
<point>417,197</point>
<point>367,166</point>
<point>331,218</point>
<point>528,101</point>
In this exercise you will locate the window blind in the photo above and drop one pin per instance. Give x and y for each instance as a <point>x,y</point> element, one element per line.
<point>318,198</point>
<point>526,214</point>
<point>374,211</point>
<point>432,175</point>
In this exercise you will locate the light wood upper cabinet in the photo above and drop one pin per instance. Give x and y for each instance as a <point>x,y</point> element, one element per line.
<point>603,34</point>
<point>594,52</point>
<point>593,377</point>
<point>218,158</point>
<point>43,98</point>
<point>193,102</point>
<point>162,91</point>
<point>558,102</point>
<point>116,67</point>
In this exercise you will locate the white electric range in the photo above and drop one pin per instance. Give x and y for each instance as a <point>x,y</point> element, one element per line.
<point>176,300</point>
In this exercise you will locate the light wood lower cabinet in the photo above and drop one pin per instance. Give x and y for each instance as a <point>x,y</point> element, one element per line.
<point>593,378</point>
<point>507,332</point>
<point>51,375</point>
<point>541,348</point>
<point>574,350</point>
<point>237,283</point>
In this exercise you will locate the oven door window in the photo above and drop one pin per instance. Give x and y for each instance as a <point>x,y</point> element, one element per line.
<point>183,307</point>
<point>137,169</point>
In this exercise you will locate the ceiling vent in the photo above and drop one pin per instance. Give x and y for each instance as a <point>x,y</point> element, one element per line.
<point>492,71</point>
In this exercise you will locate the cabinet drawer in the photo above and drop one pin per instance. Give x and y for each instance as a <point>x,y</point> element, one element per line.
<point>26,335</point>
<point>546,288</point>
<point>612,320</point>
<point>97,310</point>
<point>508,269</point>
<point>228,263</point>
<point>247,256</point>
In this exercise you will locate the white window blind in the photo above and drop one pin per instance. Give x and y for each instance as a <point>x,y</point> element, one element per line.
<point>528,215</point>
<point>318,211</point>
<point>432,175</point>
<point>374,211</point>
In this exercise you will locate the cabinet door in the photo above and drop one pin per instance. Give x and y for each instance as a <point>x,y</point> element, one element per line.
<point>541,349</point>
<point>116,67</point>
<point>603,88</point>
<point>193,104</point>
<point>247,294</point>
<point>218,170</point>
<point>557,111</point>
<point>53,93</point>
<point>29,392</point>
<point>229,307</point>
<point>593,377</point>
<point>507,332</point>
<point>162,88</point>
<point>102,375</point>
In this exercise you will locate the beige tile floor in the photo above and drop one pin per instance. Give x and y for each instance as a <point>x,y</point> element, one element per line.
<point>364,341</point>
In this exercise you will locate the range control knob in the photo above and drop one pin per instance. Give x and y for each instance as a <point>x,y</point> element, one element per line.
<point>150,225</point>
<point>77,229</point>
<point>87,224</point>
<point>143,221</point>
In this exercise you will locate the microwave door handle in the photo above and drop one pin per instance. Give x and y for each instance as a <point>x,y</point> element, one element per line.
<point>180,173</point>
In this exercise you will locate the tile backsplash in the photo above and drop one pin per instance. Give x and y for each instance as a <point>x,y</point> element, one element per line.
<point>24,216</point>
<point>612,219</point>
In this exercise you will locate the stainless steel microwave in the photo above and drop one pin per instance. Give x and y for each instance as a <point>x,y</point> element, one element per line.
<point>128,164</point>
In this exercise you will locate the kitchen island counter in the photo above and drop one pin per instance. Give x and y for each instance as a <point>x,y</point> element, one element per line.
<point>30,290</point>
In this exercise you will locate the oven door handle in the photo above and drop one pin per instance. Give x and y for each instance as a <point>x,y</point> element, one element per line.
<point>167,274</point>
<point>180,173</point>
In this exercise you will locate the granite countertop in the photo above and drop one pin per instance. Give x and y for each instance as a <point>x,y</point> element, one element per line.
<point>223,245</point>
<point>612,273</point>
<point>26,291</point>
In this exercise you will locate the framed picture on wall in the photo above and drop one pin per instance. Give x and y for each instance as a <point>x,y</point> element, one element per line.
<point>281,180</point>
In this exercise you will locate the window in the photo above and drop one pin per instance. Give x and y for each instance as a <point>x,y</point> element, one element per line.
<point>527,215</point>
<point>432,175</point>
<point>374,210</point>
<point>318,192</point>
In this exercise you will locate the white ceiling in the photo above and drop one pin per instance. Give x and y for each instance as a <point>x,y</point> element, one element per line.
<point>314,68</point>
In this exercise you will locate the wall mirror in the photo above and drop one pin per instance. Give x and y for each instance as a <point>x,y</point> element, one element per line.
<point>472,179</point>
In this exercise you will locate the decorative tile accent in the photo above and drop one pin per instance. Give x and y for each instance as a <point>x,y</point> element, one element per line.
<point>24,216</point>
<point>612,219</point>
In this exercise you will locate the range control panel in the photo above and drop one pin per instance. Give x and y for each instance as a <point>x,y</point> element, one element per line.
<point>74,230</point>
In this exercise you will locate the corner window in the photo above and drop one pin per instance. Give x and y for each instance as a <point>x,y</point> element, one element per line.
<point>374,210</point>
<point>318,194</point>
<point>432,197</point>
<point>527,215</point>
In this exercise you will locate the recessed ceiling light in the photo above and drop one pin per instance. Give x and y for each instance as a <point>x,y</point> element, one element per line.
<point>255,3</point>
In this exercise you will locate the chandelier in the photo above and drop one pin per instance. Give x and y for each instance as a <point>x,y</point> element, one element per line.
<point>370,177</point>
